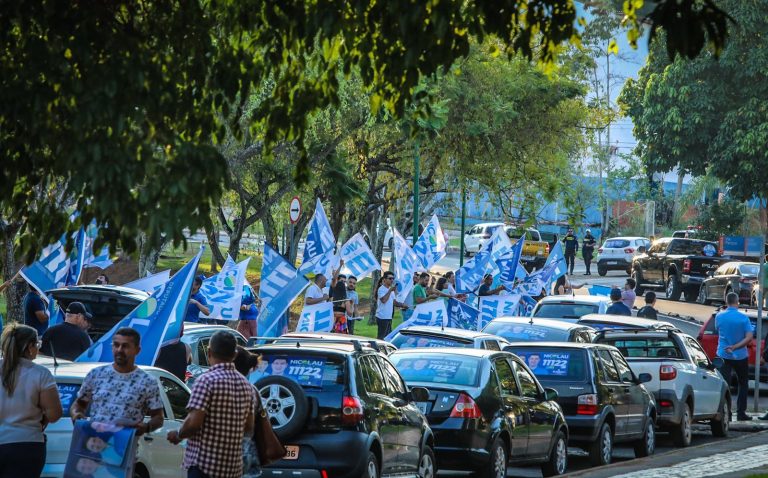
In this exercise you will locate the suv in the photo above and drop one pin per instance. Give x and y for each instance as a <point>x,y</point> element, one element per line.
<point>616,253</point>
<point>341,409</point>
<point>419,336</point>
<point>602,399</point>
<point>476,237</point>
<point>686,385</point>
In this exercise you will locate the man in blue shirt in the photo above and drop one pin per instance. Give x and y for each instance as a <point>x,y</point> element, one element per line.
<point>617,307</point>
<point>197,302</point>
<point>35,312</point>
<point>735,333</point>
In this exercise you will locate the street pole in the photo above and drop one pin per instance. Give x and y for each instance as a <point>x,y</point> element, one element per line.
<point>416,172</point>
<point>291,258</point>
<point>760,292</point>
<point>463,220</point>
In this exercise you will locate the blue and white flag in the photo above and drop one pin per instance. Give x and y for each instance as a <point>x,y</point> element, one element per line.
<point>431,246</point>
<point>57,268</point>
<point>427,313</point>
<point>406,265</point>
<point>55,314</point>
<point>316,318</point>
<point>280,286</point>
<point>324,263</point>
<point>102,260</point>
<point>359,260</point>
<point>557,259</point>
<point>525,308</point>
<point>499,244</point>
<point>150,283</point>
<point>494,306</point>
<point>320,236</point>
<point>469,277</point>
<point>462,315</point>
<point>158,319</point>
<point>509,263</point>
<point>224,291</point>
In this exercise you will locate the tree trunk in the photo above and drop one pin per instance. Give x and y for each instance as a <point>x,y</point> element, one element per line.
<point>14,294</point>
<point>270,231</point>
<point>298,230</point>
<point>678,192</point>
<point>148,256</point>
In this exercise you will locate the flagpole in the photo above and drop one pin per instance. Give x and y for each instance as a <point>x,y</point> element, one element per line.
<point>416,171</point>
<point>463,220</point>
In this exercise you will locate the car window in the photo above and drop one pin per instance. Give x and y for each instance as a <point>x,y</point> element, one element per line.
<point>527,382</point>
<point>392,378</point>
<point>177,397</point>
<point>722,270</point>
<point>506,377</point>
<point>608,371</point>
<point>410,341</point>
<point>373,380</point>
<point>658,247</point>
<point>491,345</point>
<point>491,229</point>
<point>616,243</point>
<point>749,270</point>
<point>645,347</point>
<point>697,353</point>
<point>525,332</point>
<point>326,372</point>
<point>553,363</point>
<point>202,352</point>
<point>554,310</point>
<point>693,248</point>
<point>473,230</point>
<point>625,373</point>
<point>437,368</point>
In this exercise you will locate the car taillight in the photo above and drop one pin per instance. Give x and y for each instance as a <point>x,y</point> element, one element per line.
<point>687,265</point>
<point>187,375</point>
<point>351,411</point>
<point>665,403</point>
<point>600,250</point>
<point>546,249</point>
<point>465,407</point>
<point>587,404</point>
<point>629,250</point>
<point>667,372</point>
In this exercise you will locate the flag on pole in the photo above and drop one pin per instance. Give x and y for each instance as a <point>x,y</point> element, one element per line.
<point>462,315</point>
<point>493,306</point>
<point>224,291</point>
<point>316,318</point>
<point>427,313</point>
<point>359,260</point>
<point>406,265</point>
<point>470,276</point>
<point>320,236</point>
<point>57,268</point>
<point>150,283</point>
<point>280,286</point>
<point>431,246</point>
<point>101,260</point>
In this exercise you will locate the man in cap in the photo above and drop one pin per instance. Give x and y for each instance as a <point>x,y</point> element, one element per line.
<point>68,340</point>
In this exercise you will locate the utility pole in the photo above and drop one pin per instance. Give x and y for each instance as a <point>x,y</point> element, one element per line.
<point>463,220</point>
<point>416,172</point>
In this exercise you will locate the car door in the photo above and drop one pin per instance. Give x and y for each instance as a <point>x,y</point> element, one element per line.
<point>542,418</point>
<point>610,382</point>
<point>708,384</point>
<point>634,394</point>
<point>653,263</point>
<point>514,409</point>
<point>717,285</point>
<point>471,239</point>
<point>383,416</point>
<point>163,458</point>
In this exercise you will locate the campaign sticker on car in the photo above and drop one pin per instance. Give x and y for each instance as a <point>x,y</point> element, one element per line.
<point>423,407</point>
<point>547,363</point>
<point>305,370</point>
<point>67,394</point>
<point>291,452</point>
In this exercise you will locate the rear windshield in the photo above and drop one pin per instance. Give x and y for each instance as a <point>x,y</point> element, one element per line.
<point>565,311</point>
<point>609,325</point>
<point>515,234</point>
<point>616,243</point>
<point>408,341</point>
<point>749,270</point>
<point>652,347</point>
<point>326,372</point>
<point>554,365</point>
<point>436,368</point>
<point>693,248</point>
<point>526,333</point>
<point>67,394</point>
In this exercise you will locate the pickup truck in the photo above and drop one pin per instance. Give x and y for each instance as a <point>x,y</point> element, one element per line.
<point>535,250</point>
<point>677,265</point>
<point>685,384</point>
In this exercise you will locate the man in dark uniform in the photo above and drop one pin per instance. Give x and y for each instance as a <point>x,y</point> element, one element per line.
<point>588,250</point>
<point>570,248</point>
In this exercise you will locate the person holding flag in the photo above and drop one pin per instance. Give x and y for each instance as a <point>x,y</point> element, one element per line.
<point>421,292</point>
<point>197,302</point>
<point>485,287</point>
<point>249,313</point>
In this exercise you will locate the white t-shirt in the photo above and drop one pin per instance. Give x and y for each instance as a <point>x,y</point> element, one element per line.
<point>450,290</point>
<point>385,310</point>
<point>313,292</point>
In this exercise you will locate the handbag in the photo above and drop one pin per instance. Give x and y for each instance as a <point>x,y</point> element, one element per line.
<point>268,446</point>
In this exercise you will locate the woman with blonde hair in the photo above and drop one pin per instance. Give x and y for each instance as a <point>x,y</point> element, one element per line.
<point>29,401</point>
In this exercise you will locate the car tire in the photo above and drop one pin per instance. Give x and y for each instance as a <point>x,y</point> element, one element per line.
<point>427,464</point>
<point>601,451</point>
<point>638,276</point>
<point>702,299</point>
<point>497,465</point>
<point>673,289</point>
<point>557,463</point>
<point>602,271</point>
<point>286,405</point>
<point>681,434</point>
<point>720,427</point>
<point>371,466</point>
<point>646,445</point>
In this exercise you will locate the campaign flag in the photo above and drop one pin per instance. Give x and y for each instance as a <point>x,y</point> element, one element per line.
<point>56,268</point>
<point>359,260</point>
<point>462,315</point>
<point>406,265</point>
<point>320,236</point>
<point>316,318</point>
<point>431,246</point>
<point>54,312</point>
<point>493,306</point>
<point>526,305</point>
<point>509,263</point>
<point>150,283</point>
<point>280,286</point>
<point>324,263</point>
<point>101,260</point>
<point>224,291</point>
<point>470,276</point>
<point>556,257</point>
<point>499,244</point>
<point>432,313</point>
<point>158,319</point>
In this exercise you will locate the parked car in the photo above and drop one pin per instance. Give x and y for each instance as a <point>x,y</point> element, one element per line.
<point>198,336</point>
<point>380,345</point>
<point>526,329</point>
<point>603,401</point>
<point>535,249</point>
<point>738,277</point>
<point>678,266</point>
<point>342,409</point>
<point>708,338</point>
<point>476,237</point>
<point>429,336</point>
<point>685,383</point>
<point>570,307</point>
<point>616,253</point>
<point>606,321</point>
<point>156,457</point>
<point>487,410</point>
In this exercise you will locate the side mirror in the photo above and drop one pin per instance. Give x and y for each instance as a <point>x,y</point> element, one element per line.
<point>717,362</point>
<point>641,249</point>
<point>550,394</point>
<point>644,378</point>
<point>419,394</point>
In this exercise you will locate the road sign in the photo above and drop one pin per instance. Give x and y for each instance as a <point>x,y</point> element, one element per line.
<point>294,211</point>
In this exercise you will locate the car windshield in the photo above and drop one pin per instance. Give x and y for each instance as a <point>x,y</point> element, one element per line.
<point>526,332</point>
<point>568,310</point>
<point>67,394</point>
<point>438,368</point>
<point>693,248</point>
<point>320,371</point>
<point>552,364</point>
<point>515,233</point>
<point>749,270</point>
<point>616,243</point>
<point>651,347</point>
<point>410,341</point>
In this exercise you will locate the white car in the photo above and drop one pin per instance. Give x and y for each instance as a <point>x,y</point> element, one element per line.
<point>617,252</point>
<point>476,237</point>
<point>156,456</point>
<point>570,307</point>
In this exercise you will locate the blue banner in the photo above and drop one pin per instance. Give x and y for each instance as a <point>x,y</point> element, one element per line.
<point>316,318</point>
<point>158,319</point>
<point>509,263</point>
<point>101,260</point>
<point>494,306</point>
<point>462,315</point>
<point>431,246</point>
<point>525,308</point>
<point>469,277</point>
<point>320,236</point>
<point>280,286</point>
<point>56,268</point>
<point>556,259</point>
<point>359,260</point>
<point>406,265</point>
<point>427,313</point>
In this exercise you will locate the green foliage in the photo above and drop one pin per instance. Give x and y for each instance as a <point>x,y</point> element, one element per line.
<point>721,218</point>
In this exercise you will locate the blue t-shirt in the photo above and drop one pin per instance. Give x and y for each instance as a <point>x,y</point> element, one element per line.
<point>732,326</point>
<point>252,312</point>
<point>618,308</point>
<point>33,303</point>
<point>193,313</point>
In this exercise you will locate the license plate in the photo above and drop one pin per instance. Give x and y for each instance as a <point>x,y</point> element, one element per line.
<point>611,262</point>
<point>422,406</point>
<point>291,452</point>
<point>527,258</point>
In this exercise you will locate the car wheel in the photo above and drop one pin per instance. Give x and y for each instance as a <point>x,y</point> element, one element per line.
<point>371,466</point>
<point>558,457</point>
<point>601,451</point>
<point>721,426</point>
<point>681,435</point>
<point>286,405</point>
<point>673,288</point>
<point>647,445</point>
<point>703,296</point>
<point>497,465</point>
<point>427,467</point>
<point>602,270</point>
<point>638,276</point>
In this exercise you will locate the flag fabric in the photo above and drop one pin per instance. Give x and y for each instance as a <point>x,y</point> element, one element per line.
<point>509,263</point>
<point>462,315</point>
<point>431,246</point>
<point>101,260</point>
<point>320,236</point>
<point>493,306</point>
<point>526,305</point>
<point>54,312</point>
<point>224,291</point>
<point>56,268</point>
<point>470,276</point>
<point>538,280</point>
<point>150,283</point>
<point>280,286</point>
<point>324,263</point>
<point>432,313</point>
<point>359,260</point>
<point>406,265</point>
<point>316,318</point>
<point>557,259</point>
<point>158,319</point>
<point>499,244</point>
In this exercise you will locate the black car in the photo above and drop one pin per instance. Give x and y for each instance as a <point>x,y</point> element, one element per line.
<point>428,337</point>
<point>604,403</point>
<point>342,410</point>
<point>608,321</point>
<point>527,329</point>
<point>486,410</point>
<point>738,277</point>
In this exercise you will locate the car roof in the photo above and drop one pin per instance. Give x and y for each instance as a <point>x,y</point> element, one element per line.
<point>576,299</point>
<point>569,345</point>
<point>345,348</point>
<point>629,238</point>
<point>623,319</point>
<point>102,289</point>
<point>443,331</point>
<point>638,332</point>
<point>540,322</point>
<point>479,353</point>
<point>330,336</point>
<point>79,370</point>
<point>488,224</point>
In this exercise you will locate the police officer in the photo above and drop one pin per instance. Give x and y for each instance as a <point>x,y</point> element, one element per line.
<point>571,247</point>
